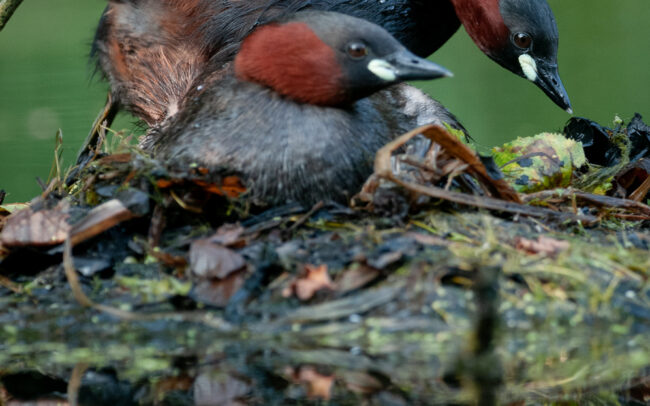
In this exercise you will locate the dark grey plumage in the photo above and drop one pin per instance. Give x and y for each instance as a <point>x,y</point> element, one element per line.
<point>288,151</point>
<point>257,118</point>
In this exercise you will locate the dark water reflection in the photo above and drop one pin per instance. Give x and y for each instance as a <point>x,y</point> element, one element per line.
<point>206,368</point>
<point>45,81</point>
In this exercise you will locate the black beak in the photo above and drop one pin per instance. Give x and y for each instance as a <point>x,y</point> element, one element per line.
<point>408,66</point>
<point>548,79</point>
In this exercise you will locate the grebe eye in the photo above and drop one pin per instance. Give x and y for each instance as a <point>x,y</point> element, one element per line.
<point>357,50</point>
<point>523,40</point>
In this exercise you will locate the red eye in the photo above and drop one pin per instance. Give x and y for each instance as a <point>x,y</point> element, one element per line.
<point>357,50</point>
<point>523,40</point>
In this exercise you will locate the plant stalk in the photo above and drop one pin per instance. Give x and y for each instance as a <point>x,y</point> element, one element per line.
<point>7,8</point>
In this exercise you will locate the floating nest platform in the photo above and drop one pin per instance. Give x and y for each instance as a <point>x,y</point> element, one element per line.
<point>128,284</point>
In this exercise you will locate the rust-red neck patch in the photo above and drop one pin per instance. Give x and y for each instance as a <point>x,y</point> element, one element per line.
<point>292,60</point>
<point>483,22</point>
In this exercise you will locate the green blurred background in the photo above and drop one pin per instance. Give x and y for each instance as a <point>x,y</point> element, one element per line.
<point>46,81</point>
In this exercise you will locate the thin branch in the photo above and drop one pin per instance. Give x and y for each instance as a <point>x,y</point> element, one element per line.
<point>7,8</point>
<point>439,135</point>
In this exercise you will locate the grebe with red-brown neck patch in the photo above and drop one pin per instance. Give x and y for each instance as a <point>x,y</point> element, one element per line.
<point>258,121</point>
<point>154,51</point>
<point>483,22</point>
<point>520,35</point>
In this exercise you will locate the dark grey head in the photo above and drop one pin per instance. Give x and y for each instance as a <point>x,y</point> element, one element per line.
<point>520,35</point>
<point>328,58</point>
<point>534,43</point>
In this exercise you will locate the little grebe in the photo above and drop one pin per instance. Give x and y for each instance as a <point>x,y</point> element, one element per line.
<point>153,51</point>
<point>300,115</point>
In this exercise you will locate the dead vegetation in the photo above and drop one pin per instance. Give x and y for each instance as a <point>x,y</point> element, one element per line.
<point>412,287</point>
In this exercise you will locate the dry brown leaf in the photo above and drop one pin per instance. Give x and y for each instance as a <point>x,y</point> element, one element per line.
<point>229,235</point>
<point>221,269</point>
<point>164,183</point>
<point>361,382</point>
<point>115,159</point>
<point>357,277</point>
<point>41,228</point>
<point>634,179</point>
<point>544,245</point>
<point>230,186</point>
<point>427,239</point>
<point>305,287</point>
<point>217,292</point>
<point>209,260</point>
<point>642,191</point>
<point>319,386</point>
<point>220,389</point>
<point>173,383</point>
<point>100,219</point>
<point>168,259</point>
<point>386,259</point>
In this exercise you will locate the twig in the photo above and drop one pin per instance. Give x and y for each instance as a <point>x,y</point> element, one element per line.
<point>306,216</point>
<point>104,119</point>
<point>96,137</point>
<point>456,149</point>
<point>606,201</point>
<point>641,191</point>
<point>184,205</point>
<point>55,170</point>
<point>158,222</point>
<point>74,383</point>
<point>490,203</point>
<point>72,277</point>
<point>7,283</point>
<point>7,8</point>
<point>509,202</point>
